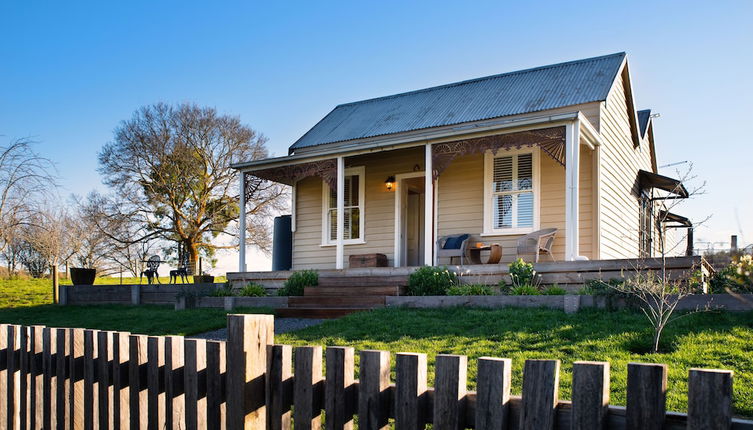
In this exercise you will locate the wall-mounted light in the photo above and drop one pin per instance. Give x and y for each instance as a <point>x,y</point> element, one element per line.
<point>390,183</point>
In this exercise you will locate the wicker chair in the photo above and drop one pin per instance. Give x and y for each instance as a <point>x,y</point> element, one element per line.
<point>539,241</point>
<point>450,253</point>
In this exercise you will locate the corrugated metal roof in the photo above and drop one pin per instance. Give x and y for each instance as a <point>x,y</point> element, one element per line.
<point>525,91</point>
<point>643,117</point>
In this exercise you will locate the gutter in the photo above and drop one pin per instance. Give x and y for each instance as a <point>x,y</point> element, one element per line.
<point>406,140</point>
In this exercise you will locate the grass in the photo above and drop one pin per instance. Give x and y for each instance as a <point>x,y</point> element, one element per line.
<point>146,319</point>
<point>708,340</point>
<point>32,292</point>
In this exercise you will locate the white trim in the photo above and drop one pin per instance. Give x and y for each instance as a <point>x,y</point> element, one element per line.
<point>398,248</point>
<point>293,207</point>
<point>359,171</point>
<point>340,252</point>
<point>597,204</point>
<point>428,208</point>
<point>488,227</point>
<point>572,176</point>
<point>242,225</point>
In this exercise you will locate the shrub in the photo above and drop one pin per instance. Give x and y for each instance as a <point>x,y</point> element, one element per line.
<point>597,287</point>
<point>298,281</point>
<point>431,281</point>
<point>253,290</point>
<point>470,290</point>
<point>743,273</point>
<point>554,290</point>
<point>521,273</point>
<point>524,290</point>
<point>225,290</point>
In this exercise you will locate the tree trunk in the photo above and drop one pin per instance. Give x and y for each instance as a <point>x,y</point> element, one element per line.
<point>193,257</point>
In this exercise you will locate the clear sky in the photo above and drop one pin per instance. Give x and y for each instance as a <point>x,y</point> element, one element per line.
<point>70,71</point>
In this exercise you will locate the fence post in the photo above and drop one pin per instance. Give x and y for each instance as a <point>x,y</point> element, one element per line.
<point>194,374</point>
<point>410,391</point>
<point>155,382</point>
<point>450,385</point>
<point>373,399</point>
<point>137,394</point>
<point>308,385</point>
<point>540,394</point>
<point>709,399</point>
<point>279,386</point>
<point>174,391</point>
<point>590,396</point>
<point>216,385</point>
<point>248,337</point>
<point>493,392</point>
<point>646,396</point>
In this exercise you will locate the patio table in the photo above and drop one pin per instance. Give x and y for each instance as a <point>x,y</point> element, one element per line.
<point>495,253</point>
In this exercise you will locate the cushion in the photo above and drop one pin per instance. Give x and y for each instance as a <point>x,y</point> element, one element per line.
<point>454,242</point>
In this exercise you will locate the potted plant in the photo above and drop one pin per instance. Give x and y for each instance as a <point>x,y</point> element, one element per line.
<point>203,279</point>
<point>83,276</point>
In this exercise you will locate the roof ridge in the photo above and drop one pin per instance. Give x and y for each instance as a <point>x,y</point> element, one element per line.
<point>483,78</point>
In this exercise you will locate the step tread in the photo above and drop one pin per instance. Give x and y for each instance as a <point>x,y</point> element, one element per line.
<point>312,312</point>
<point>335,301</point>
<point>352,291</point>
<point>363,281</point>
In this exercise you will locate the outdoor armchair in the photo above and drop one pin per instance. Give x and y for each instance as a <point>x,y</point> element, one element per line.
<point>539,241</point>
<point>453,246</point>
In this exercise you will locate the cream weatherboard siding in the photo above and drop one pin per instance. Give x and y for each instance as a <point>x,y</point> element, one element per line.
<point>620,162</point>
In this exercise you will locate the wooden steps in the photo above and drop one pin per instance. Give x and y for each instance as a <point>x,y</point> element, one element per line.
<point>337,296</point>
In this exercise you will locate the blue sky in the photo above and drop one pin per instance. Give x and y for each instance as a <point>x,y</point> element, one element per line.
<point>69,72</point>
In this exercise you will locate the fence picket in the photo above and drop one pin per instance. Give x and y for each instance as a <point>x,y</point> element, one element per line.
<point>194,369</point>
<point>450,385</point>
<point>703,386</point>
<point>493,392</point>
<point>373,394</point>
<point>307,389</point>
<point>646,396</point>
<point>36,377</point>
<point>279,386</point>
<point>4,393</point>
<point>62,370</point>
<point>14,378</point>
<point>248,337</point>
<point>104,385</point>
<point>338,397</point>
<point>120,389</point>
<point>410,391</point>
<point>76,372</point>
<point>590,394</point>
<point>540,394</point>
<point>49,390</point>
<point>91,387</point>
<point>174,398</point>
<point>137,389</point>
<point>23,360</point>
<point>155,347</point>
<point>216,411</point>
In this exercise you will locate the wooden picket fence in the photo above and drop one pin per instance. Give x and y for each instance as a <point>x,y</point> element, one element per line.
<point>71,378</point>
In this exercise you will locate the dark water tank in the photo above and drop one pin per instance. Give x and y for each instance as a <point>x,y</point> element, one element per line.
<point>282,244</point>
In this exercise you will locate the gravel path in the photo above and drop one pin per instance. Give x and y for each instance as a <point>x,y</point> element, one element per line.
<point>282,325</point>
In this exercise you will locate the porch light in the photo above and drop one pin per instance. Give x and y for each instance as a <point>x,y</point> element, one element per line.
<point>390,183</point>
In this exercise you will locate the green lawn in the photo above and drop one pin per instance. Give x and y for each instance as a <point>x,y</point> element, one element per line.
<point>710,340</point>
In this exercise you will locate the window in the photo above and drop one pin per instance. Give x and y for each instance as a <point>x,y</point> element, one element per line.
<point>511,193</point>
<point>646,226</point>
<point>354,197</point>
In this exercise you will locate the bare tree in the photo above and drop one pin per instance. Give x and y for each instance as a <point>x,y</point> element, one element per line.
<point>169,168</point>
<point>658,294</point>
<point>26,179</point>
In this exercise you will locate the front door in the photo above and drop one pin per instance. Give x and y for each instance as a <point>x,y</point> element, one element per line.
<point>412,220</point>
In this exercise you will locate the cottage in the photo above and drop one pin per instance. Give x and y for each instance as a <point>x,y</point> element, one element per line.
<point>554,147</point>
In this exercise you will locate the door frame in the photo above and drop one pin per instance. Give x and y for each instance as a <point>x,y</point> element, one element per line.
<point>399,178</point>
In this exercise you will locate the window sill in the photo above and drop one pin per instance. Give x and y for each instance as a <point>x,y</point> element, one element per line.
<point>346,243</point>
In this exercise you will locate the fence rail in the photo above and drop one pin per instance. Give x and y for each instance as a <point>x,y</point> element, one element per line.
<point>72,378</point>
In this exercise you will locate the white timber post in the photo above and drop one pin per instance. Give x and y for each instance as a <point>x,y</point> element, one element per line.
<point>429,209</point>
<point>340,252</point>
<point>242,226</point>
<point>572,173</point>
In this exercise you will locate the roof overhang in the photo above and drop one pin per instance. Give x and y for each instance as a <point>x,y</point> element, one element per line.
<point>435,135</point>
<point>679,220</point>
<point>649,180</point>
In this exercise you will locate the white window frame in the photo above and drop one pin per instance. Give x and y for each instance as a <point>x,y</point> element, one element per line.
<point>489,157</point>
<point>359,171</point>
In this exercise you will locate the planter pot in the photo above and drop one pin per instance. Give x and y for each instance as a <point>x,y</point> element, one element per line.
<point>203,279</point>
<point>81,276</point>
